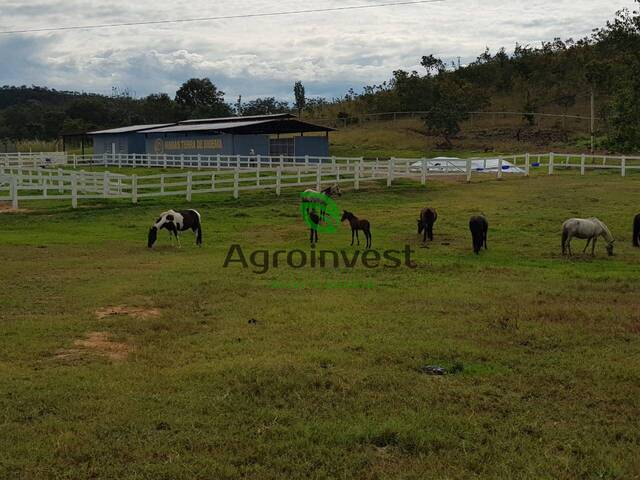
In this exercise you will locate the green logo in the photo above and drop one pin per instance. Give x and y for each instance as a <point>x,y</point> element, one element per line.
<point>320,212</point>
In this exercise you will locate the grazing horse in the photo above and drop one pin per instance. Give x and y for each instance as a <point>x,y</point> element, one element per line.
<point>313,235</point>
<point>479,228</point>
<point>428,217</point>
<point>176,222</point>
<point>586,228</point>
<point>636,231</point>
<point>357,224</point>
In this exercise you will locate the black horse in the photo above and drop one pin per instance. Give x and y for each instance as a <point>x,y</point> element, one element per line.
<point>479,228</point>
<point>636,231</point>
<point>175,222</point>
<point>357,224</point>
<point>315,218</point>
<point>428,217</point>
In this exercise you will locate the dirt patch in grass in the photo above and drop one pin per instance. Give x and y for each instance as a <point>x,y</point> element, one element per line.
<point>97,343</point>
<point>6,207</point>
<point>135,312</point>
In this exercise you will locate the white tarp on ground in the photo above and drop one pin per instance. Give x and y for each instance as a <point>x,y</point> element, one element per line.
<point>455,164</point>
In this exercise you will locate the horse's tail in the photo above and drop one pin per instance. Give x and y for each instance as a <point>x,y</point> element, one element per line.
<point>565,236</point>
<point>636,232</point>
<point>199,235</point>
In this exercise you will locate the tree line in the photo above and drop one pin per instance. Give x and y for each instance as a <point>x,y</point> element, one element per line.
<point>29,113</point>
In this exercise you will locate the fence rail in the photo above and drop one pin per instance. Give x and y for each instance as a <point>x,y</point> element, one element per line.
<point>29,180</point>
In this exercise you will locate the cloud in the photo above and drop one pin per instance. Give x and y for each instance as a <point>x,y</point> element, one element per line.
<point>330,53</point>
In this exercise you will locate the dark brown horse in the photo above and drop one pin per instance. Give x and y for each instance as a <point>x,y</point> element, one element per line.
<point>428,217</point>
<point>357,224</point>
<point>315,218</point>
<point>636,231</point>
<point>479,228</point>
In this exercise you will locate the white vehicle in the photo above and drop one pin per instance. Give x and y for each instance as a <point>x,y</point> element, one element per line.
<point>458,165</point>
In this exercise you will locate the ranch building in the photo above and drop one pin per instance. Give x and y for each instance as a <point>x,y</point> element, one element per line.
<point>281,134</point>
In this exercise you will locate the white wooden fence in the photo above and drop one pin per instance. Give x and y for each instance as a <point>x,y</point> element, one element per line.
<point>21,181</point>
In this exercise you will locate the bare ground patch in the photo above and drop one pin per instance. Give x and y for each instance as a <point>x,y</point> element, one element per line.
<point>6,207</point>
<point>96,343</point>
<point>140,313</point>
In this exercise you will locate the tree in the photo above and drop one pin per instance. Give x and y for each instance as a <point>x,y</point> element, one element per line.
<point>199,96</point>
<point>299,93</point>
<point>265,106</point>
<point>453,99</point>
<point>159,108</point>
<point>433,65</point>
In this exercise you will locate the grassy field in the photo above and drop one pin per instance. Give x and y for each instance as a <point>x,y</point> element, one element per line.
<point>121,362</point>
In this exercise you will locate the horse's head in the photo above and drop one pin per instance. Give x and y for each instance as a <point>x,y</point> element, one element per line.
<point>336,190</point>
<point>610,248</point>
<point>420,226</point>
<point>153,236</point>
<point>346,215</point>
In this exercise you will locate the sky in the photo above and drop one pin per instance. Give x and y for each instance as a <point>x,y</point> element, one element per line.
<point>257,57</point>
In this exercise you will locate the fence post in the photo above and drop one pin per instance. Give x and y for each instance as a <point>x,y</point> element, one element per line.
<point>182,160</point>
<point>105,184</point>
<point>134,188</point>
<point>189,185</point>
<point>75,161</point>
<point>390,169</point>
<point>623,166</point>
<point>258,172</point>
<point>236,183</point>
<point>60,181</point>
<point>74,190</point>
<point>499,174</point>
<point>468,169</point>
<point>278,180</point>
<point>356,178</point>
<point>527,164</point>
<point>318,177</point>
<point>198,160</point>
<point>162,183</point>
<point>213,182</point>
<point>423,171</point>
<point>14,193</point>
<point>582,162</point>
<point>551,160</point>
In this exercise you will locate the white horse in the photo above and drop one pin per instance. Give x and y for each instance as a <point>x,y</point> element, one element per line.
<point>586,228</point>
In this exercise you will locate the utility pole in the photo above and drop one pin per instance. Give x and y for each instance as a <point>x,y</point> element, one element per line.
<point>593,102</point>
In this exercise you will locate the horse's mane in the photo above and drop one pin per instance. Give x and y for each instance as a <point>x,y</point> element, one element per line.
<point>604,228</point>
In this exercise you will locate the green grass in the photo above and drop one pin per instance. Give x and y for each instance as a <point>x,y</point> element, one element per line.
<point>327,382</point>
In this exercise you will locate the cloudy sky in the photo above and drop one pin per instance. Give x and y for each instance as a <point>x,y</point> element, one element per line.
<point>329,52</point>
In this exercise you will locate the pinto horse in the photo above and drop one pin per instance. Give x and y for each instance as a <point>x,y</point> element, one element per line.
<point>176,222</point>
<point>428,217</point>
<point>636,231</point>
<point>479,227</point>
<point>586,228</point>
<point>357,224</point>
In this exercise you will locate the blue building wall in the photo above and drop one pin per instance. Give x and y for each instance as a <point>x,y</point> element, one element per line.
<point>204,144</point>
<point>125,143</point>
<point>312,146</point>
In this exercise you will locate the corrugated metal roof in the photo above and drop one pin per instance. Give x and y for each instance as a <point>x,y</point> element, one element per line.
<point>272,116</point>
<point>132,128</point>
<point>205,127</point>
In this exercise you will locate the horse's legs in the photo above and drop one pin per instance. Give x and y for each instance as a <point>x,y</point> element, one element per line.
<point>587,245</point>
<point>593,247</point>
<point>357,237</point>
<point>353,234</point>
